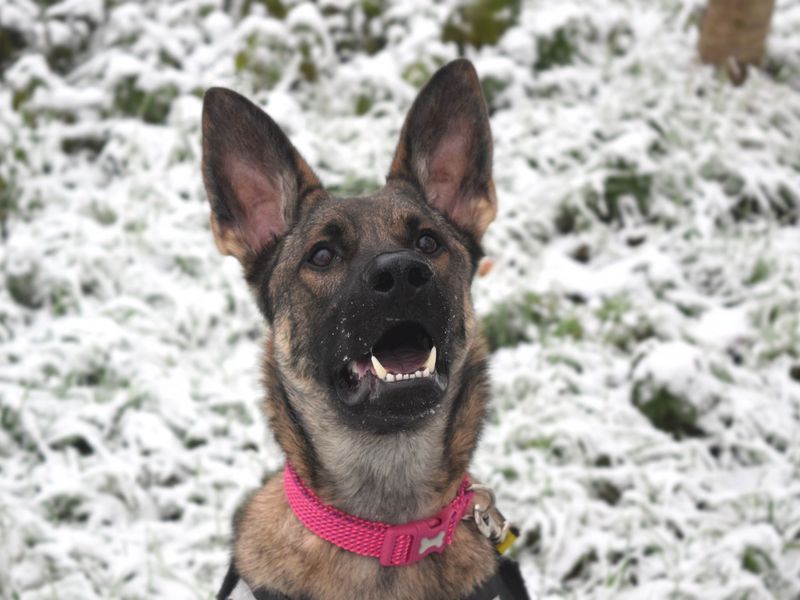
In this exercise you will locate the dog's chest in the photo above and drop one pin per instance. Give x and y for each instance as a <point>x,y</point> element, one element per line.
<point>274,551</point>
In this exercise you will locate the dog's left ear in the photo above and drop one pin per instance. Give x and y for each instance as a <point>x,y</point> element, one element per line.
<point>446,148</point>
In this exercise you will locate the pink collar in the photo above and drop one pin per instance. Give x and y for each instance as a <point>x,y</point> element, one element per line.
<point>394,545</point>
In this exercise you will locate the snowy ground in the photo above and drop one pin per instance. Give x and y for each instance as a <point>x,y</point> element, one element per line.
<point>644,306</point>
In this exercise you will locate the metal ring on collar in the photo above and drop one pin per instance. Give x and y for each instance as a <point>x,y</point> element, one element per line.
<point>486,491</point>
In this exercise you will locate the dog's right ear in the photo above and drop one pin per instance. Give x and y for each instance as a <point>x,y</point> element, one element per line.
<point>255,179</point>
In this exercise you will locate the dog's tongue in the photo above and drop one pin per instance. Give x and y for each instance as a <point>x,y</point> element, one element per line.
<point>402,359</point>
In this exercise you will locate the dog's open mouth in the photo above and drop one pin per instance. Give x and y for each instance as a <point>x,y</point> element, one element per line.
<point>405,351</point>
<point>397,382</point>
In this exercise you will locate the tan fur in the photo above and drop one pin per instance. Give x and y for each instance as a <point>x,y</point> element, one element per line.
<point>390,475</point>
<point>276,551</point>
<point>226,240</point>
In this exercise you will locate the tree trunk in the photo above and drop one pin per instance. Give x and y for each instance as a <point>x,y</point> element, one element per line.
<point>733,34</point>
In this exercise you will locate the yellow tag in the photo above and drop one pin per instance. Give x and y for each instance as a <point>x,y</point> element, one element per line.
<point>511,537</point>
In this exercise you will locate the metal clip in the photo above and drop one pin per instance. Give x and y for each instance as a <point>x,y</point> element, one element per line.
<point>490,524</point>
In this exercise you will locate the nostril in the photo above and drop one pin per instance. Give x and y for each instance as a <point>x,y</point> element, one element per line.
<point>419,275</point>
<point>383,282</point>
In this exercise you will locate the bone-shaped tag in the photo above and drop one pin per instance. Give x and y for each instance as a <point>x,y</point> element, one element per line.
<point>434,542</point>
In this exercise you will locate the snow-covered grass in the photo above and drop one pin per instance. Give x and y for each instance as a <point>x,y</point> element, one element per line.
<point>644,308</point>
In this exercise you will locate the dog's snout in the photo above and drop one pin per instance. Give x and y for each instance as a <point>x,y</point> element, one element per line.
<point>398,274</point>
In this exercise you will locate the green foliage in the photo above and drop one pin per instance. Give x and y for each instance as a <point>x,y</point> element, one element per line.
<point>606,491</point>
<point>759,273</point>
<point>503,329</point>
<point>481,22</point>
<point>363,104</point>
<point>777,199</point>
<point>308,67</point>
<point>622,326</point>
<point>150,106</point>
<point>353,186</point>
<point>492,88</point>
<point>554,51</point>
<point>90,144</point>
<point>11,42</point>
<point>8,202</point>
<point>262,59</point>
<point>569,327</point>
<point>667,410</point>
<point>11,424</point>
<point>24,289</point>
<point>569,219</point>
<point>65,507</point>
<point>756,560</point>
<point>624,181</point>
<point>417,73</point>
<point>357,27</point>
<point>531,317</point>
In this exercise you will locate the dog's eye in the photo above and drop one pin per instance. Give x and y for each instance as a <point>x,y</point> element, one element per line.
<point>427,243</point>
<point>321,257</point>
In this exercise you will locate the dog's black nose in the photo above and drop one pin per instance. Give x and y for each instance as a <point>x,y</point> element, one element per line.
<point>397,274</point>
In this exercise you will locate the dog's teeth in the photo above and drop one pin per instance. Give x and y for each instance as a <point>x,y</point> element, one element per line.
<point>389,377</point>
<point>430,364</point>
<point>426,372</point>
<point>379,370</point>
<point>418,374</point>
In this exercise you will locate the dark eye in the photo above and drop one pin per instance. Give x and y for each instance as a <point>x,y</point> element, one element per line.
<point>427,243</point>
<point>321,257</point>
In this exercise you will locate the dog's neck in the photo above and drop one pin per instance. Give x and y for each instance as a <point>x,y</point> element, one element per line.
<point>392,477</point>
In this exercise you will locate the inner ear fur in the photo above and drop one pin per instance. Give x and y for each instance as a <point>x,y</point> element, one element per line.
<point>255,179</point>
<point>445,148</point>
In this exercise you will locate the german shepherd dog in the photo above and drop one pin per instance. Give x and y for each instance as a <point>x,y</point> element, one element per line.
<point>374,367</point>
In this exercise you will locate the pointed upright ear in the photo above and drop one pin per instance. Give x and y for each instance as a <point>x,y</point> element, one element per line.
<point>446,148</point>
<point>255,179</point>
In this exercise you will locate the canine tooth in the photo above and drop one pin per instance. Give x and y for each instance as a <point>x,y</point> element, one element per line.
<point>389,377</point>
<point>430,364</point>
<point>379,370</point>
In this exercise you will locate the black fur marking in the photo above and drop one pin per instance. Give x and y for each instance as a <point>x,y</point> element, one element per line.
<point>410,180</point>
<point>477,376</point>
<point>309,452</point>
<point>332,230</point>
<point>412,223</point>
<point>306,191</point>
<point>258,274</point>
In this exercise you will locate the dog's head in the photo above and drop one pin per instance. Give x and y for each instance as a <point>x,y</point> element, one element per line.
<point>367,297</point>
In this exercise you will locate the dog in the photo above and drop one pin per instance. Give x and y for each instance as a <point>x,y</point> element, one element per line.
<point>374,366</point>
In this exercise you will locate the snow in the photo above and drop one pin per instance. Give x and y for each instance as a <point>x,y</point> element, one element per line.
<point>646,250</point>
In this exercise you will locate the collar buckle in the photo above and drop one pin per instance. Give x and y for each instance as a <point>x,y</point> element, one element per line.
<point>406,544</point>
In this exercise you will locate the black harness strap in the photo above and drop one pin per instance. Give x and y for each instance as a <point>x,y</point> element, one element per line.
<point>229,583</point>
<point>506,584</point>
<point>262,594</point>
